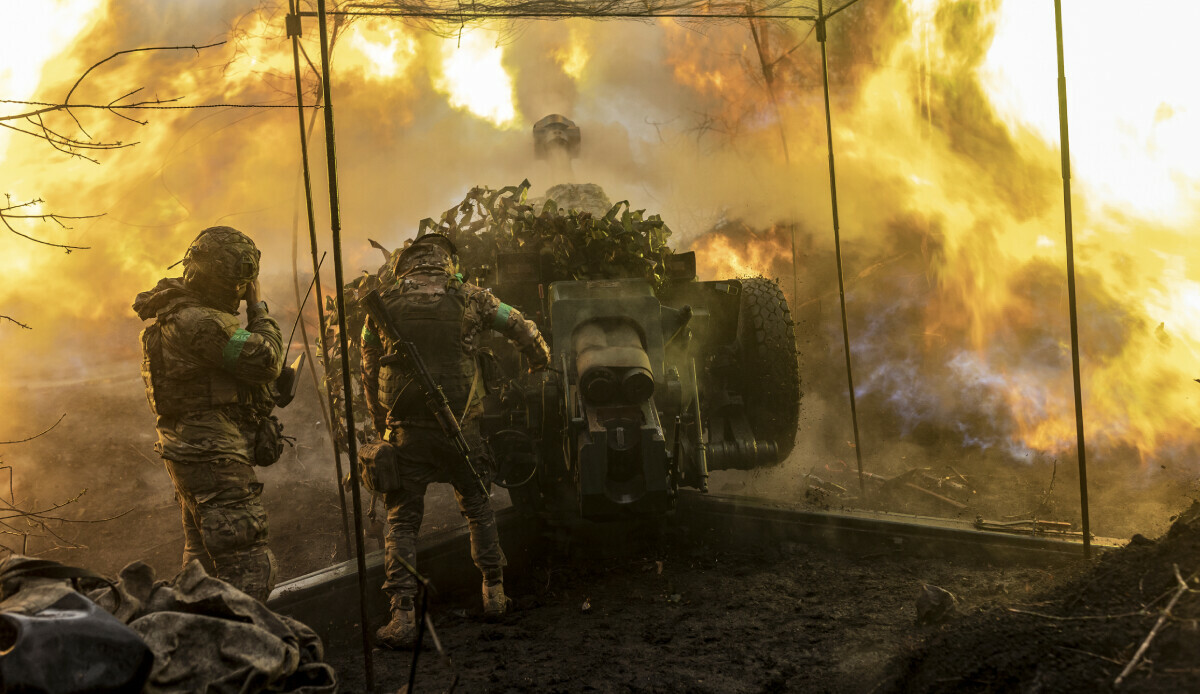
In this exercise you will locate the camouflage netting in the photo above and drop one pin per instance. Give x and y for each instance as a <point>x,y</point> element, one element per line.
<point>621,243</point>
<point>447,17</point>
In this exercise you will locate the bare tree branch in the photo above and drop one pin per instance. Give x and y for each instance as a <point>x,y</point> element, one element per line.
<point>14,320</point>
<point>82,77</point>
<point>35,435</point>
<point>6,215</point>
<point>156,105</point>
<point>74,146</point>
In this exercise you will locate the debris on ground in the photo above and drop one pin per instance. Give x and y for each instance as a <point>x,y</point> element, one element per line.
<point>935,605</point>
<point>1129,623</point>
<point>193,633</point>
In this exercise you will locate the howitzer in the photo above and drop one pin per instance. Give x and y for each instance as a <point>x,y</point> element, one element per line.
<point>405,355</point>
<point>656,387</point>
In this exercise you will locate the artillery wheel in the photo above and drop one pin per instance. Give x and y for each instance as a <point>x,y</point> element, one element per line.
<point>770,384</point>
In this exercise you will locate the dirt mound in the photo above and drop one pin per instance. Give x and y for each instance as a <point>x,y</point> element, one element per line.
<point>1081,634</point>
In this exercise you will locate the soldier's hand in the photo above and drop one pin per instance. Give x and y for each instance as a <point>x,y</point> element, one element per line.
<point>251,294</point>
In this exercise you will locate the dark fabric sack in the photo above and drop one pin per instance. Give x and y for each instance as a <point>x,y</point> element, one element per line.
<point>210,637</point>
<point>379,466</point>
<point>268,441</point>
<point>54,640</point>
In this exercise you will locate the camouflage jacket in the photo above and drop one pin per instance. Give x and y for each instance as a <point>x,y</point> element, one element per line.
<point>207,378</point>
<point>483,312</point>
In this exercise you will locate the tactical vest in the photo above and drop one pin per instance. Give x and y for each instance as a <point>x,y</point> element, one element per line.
<point>176,386</point>
<point>435,329</point>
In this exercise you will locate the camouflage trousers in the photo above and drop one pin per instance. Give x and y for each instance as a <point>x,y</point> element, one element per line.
<point>224,523</point>
<point>425,456</point>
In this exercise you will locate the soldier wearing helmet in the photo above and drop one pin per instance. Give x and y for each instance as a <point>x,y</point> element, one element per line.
<point>208,381</point>
<point>445,319</point>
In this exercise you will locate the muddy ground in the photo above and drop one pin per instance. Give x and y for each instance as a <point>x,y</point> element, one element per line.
<point>686,615</point>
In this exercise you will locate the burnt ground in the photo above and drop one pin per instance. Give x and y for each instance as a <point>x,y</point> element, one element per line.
<point>1080,634</point>
<point>691,617</point>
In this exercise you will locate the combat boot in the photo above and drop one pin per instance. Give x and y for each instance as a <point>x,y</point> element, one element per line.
<point>401,631</point>
<point>495,602</point>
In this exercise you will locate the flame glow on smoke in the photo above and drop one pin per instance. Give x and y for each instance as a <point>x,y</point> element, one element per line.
<point>945,125</point>
<point>1134,122</point>
<point>948,164</point>
<point>573,57</point>
<point>474,78</point>
<point>387,49</point>
<point>31,34</point>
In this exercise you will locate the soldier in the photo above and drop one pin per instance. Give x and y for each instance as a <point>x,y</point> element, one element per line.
<point>445,319</point>
<point>208,379</point>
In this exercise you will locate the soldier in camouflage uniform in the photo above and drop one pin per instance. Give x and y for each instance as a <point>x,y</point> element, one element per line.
<point>445,319</point>
<point>208,381</point>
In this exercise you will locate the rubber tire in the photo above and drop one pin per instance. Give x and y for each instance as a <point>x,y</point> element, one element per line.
<point>770,385</point>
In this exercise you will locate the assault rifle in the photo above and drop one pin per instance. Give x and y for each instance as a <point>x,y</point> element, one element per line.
<point>406,356</point>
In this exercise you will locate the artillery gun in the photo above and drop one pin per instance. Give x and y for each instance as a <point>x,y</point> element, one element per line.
<point>656,378</point>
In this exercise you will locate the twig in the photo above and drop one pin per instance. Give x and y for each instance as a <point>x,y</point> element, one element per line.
<point>1140,613</point>
<point>64,414</point>
<point>67,100</point>
<point>6,215</point>
<point>143,455</point>
<point>1162,619</point>
<point>13,320</point>
<point>155,105</point>
<point>1094,655</point>
<point>73,146</point>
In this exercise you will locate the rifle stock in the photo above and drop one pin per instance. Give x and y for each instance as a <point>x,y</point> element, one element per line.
<point>405,354</point>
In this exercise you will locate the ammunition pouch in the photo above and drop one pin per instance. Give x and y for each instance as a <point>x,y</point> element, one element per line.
<point>268,441</point>
<point>379,467</point>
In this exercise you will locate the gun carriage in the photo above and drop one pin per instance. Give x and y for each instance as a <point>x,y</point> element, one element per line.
<point>656,378</point>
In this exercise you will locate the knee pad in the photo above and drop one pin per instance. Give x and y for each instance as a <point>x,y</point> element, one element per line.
<point>233,524</point>
<point>252,571</point>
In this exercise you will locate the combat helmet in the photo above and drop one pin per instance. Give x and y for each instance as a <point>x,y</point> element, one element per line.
<point>429,252</point>
<point>219,263</point>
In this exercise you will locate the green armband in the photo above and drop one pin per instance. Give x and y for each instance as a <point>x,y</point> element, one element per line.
<point>502,313</point>
<point>233,348</point>
<point>370,338</point>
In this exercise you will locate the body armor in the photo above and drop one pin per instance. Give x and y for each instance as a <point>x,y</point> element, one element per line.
<point>435,329</point>
<point>175,386</point>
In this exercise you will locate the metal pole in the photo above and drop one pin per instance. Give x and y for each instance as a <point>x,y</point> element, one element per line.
<point>294,32</point>
<point>1066,176</point>
<point>837,243</point>
<point>335,223</point>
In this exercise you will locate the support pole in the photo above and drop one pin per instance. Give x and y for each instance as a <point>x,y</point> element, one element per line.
<point>837,242</point>
<point>1066,176</point>
<point>335,223</point>
<point>293,27</point>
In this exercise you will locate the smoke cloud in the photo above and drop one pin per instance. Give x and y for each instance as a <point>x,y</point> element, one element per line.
<point>950,206</point>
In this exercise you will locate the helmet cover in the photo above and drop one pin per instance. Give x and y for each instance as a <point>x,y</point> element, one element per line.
<point>428,252</point>
<point>219,263</point>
